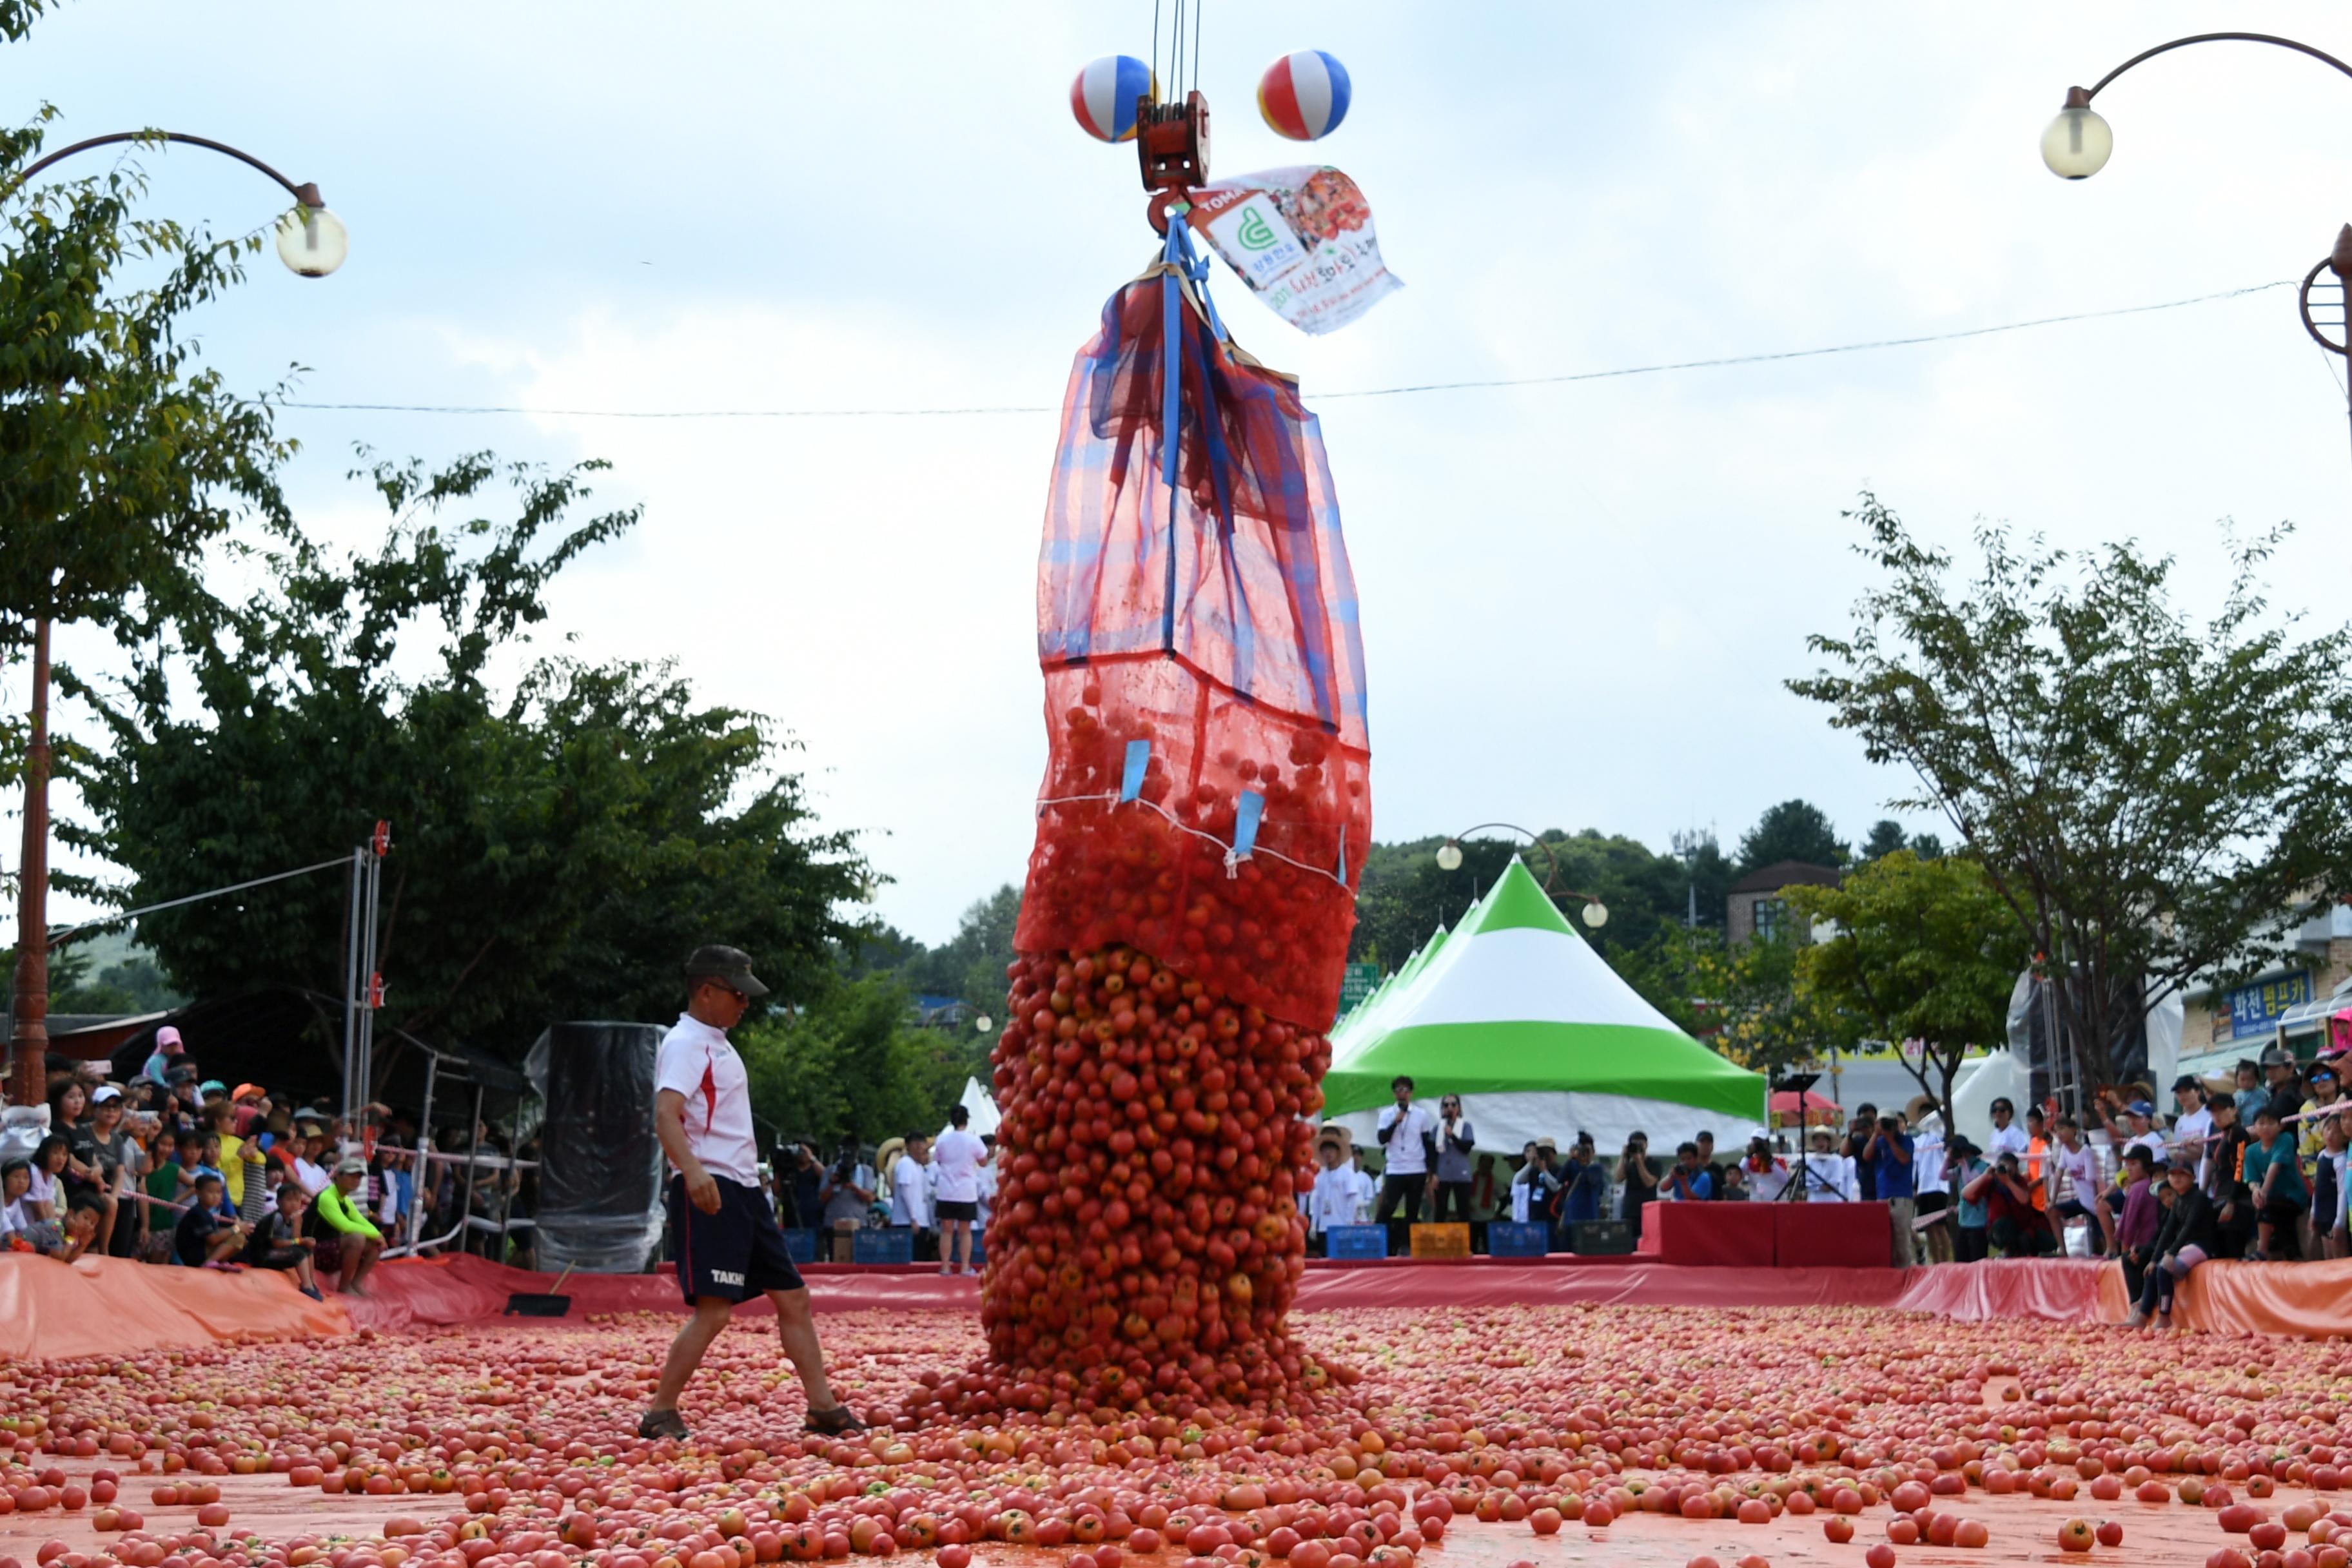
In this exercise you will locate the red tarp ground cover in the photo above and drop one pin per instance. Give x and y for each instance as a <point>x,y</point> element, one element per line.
<point>104,1306</point>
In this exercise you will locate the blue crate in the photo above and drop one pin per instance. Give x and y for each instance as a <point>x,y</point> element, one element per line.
<point>1356,1241</point>
<point>800,1244</point>
<point>1510,1239</point>
<point>887,1244</point>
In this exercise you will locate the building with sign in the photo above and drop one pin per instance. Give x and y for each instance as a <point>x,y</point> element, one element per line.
<point>2292,1001</point>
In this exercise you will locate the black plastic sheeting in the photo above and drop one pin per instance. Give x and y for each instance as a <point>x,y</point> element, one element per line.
<point>600,1175</point>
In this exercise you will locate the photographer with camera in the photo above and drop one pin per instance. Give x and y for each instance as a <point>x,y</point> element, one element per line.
<point>1639,1180</point>
<point>1889,1153</point>
<point>847,1194</point>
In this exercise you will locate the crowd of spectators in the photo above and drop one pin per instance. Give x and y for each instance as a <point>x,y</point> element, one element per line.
<point>2257,1172</point>
<point>940,1189</point>
<point>171,1167</point>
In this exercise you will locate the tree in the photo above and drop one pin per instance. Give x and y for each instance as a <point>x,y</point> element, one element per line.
<point>1745,1002</point>
<point>1792,830</point>
<point>2150,798</point>
<point>851,1061</point>
<point>1924,951</point>
<point>558,849</point>
<point>121,458</point>
<point>1885,838</point>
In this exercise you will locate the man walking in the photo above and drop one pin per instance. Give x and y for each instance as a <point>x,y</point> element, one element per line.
<point>728,1246</point>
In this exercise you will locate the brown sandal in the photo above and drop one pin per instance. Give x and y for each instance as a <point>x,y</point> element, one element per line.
<point>838,1422</point>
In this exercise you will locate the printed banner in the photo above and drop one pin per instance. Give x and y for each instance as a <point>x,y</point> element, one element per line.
<point>1302,239</point>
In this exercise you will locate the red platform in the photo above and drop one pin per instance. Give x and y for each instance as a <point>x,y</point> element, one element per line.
<point>1766,1236</point>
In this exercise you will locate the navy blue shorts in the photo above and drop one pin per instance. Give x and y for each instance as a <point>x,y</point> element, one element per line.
<point>736,1253</point>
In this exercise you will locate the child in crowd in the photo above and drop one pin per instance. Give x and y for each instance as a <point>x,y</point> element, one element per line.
<point>209,1231</point>
<point>278,1242</point>
<point>2186,1240</point>
<point>1967,1162</point>
<point>2275,1177</point>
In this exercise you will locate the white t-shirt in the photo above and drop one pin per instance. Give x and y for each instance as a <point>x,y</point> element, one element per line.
<point>1367,1193</point>
<point>2009,1140</point>
<point>15,1217</point>
<point>1829,1179</point>
<point>1333,1202</point>
<point>1406,1156</point>
<point>955,1166</point>
<point>911,1192</point>
<point>2078,1172</point>
<point>2188,1135</point>
<point>696,1061</point>
<point>314,1178</point>
<point>1928,1163</point>
<point>987,1181</point>
<point>45,1189</point>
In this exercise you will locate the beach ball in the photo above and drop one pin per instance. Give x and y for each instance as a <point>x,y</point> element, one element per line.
<point>1103,96</point>
<point>1304,96</point>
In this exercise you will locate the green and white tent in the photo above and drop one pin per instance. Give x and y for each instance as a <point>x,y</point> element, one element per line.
<point>1539,1037</point>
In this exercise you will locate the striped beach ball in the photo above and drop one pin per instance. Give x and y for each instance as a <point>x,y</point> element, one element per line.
<point>1304,96</point>
<point>1103,96</point>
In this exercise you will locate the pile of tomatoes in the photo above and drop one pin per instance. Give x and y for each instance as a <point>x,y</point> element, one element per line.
<point>1147,1240</point>
<point>514,1447</point>
<point>1270,931</point>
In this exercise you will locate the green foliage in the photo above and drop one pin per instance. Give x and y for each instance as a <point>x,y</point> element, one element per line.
<point>2149,797</point>
<point>852,1061</point>
<point>557,849</point>
<point>1745,1002</point>
<point>970,966</point>
<point>120,457</point>
<point>1924,950</point>
<point>1792,830</point>
<point>1404,895</point>
<point>1887,837</point>
<point>17,16</point>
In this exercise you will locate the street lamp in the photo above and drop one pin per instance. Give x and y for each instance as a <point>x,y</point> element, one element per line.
<point>312,242</point>
<point>1595,914</point>
<point>2077,144</point>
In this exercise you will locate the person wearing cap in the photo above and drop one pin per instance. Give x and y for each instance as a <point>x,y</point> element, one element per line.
<point>2283,1078</point>
<point>310,1165</point>
<point>358,1243</point>
<point>1828,1174</point>
<point>2189,1236</point>
<point>725,1237</point>
<point>1333,1200</point>
<point>167,1052</point>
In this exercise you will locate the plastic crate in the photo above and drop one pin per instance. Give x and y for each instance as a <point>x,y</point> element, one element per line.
<point>1511,1238</point>
<point>1451,1239</point>
<point>884,1244</point>
<point>1600,1238</point>
<point>800,1244</point>
<point>1356,1242</point>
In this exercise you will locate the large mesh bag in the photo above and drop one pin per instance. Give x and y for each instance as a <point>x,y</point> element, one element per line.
<point>1207,797</point>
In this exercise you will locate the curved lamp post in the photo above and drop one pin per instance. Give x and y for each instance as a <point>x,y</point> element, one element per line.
<point>2078,143</point>
<point>312,242</point>
<point>1595,913</point>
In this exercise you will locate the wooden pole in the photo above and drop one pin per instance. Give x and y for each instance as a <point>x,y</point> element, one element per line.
<point>29,1029</point>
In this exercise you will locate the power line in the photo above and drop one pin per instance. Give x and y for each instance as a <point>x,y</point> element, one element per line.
<point>1416,387</point>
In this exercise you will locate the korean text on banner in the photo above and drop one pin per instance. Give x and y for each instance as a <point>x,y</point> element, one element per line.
<point>1302,238</point>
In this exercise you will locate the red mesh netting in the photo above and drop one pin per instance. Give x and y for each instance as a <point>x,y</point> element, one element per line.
<point>1221,631</point>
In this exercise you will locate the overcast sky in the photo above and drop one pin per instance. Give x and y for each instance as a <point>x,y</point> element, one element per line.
<point>1580,602</point>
